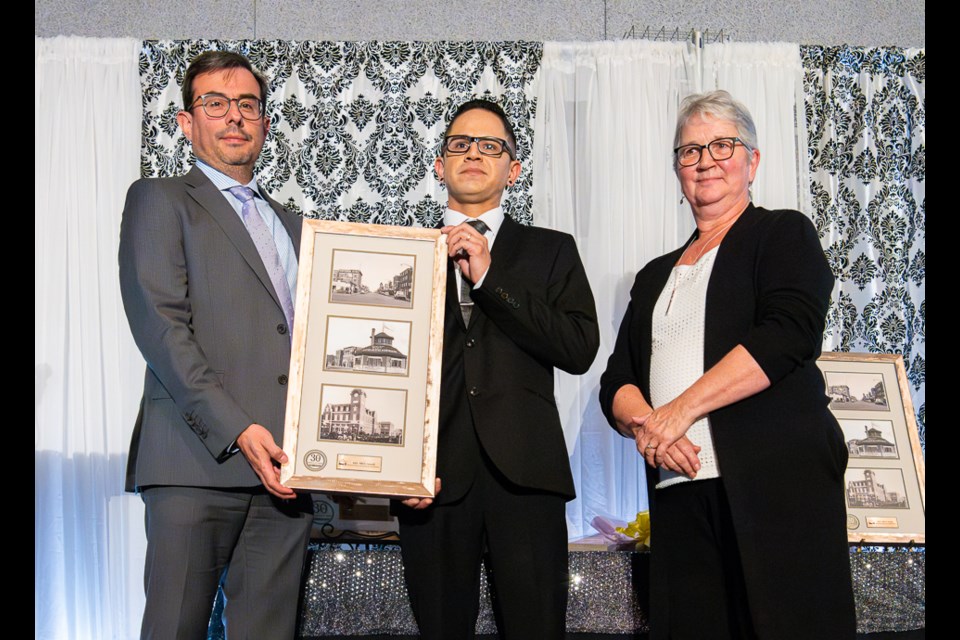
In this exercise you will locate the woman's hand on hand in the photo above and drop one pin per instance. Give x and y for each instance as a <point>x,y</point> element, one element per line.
<point>681,457</point>
<point>658,432</point>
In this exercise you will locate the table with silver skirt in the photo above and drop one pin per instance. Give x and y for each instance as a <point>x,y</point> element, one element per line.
<point>349,592</point>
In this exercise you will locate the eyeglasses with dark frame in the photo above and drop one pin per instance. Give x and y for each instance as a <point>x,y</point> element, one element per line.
<point>689,155</point>
<point>486,145</point>
<point>216,105</point>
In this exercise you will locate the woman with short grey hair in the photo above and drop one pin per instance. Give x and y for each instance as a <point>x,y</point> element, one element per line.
<point>714,376</point>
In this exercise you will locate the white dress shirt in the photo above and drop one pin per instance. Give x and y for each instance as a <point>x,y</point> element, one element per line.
<point>493,219</point>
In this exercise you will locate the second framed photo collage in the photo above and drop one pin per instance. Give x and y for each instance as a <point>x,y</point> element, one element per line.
<point>885,481</point>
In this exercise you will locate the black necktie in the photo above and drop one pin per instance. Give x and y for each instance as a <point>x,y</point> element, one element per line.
<point>466,302</point>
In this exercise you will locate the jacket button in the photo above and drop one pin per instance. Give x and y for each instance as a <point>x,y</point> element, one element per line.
<point>504,295</point>
<point>474,392</point>
<point>511,301</point>
<point>471,342</point>
<point>282,378</point>
<point>516,305</point>
<point>281,328</point>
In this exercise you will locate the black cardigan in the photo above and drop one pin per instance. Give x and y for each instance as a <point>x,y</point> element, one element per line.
<point>781,452</point>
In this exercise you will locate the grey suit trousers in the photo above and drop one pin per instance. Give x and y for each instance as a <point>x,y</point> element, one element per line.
<point>194,534</point>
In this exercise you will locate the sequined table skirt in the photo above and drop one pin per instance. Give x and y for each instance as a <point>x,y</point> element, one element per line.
<point>362,592</point>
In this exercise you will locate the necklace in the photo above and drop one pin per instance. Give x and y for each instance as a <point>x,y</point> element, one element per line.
<point>709,240</point>
<point>679,275</point>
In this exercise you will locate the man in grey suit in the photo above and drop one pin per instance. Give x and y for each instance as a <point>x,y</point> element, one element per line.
<point>208,268</point>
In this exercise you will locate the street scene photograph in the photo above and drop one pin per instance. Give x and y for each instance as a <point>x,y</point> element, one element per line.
<point>851,391</point>
<point>370,278</point>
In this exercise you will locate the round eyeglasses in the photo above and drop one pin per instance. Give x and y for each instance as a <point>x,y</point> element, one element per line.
<point>719,149</point>
<point>486,145</point>
<point>217,106</point>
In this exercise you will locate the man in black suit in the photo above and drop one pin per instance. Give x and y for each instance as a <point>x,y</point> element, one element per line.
<point>518,305</point>
<point>208,266</point>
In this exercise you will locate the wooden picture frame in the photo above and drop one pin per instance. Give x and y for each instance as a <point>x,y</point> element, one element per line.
<point>367,348</point>
<point>884,484</point>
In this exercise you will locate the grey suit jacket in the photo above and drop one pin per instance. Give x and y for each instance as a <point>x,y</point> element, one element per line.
<point>208,322</point>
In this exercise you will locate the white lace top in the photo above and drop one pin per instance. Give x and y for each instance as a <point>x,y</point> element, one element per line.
<point>677,356</point>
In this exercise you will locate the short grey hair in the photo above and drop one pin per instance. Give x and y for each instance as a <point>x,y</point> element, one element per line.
<point>721,105</point>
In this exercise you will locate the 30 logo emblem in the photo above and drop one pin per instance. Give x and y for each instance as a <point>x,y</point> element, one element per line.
<point>315,460</point>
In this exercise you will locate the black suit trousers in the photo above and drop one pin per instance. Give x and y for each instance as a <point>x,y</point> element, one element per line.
<point>521,534</point>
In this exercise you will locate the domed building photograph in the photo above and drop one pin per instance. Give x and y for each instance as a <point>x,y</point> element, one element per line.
<point>367,346</point>
<point>869,438</point>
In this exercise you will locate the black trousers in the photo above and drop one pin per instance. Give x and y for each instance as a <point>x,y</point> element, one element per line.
<point>524,536</point>
<point>697,585</point>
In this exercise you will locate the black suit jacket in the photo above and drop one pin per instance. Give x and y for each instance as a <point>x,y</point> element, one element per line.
<point>533,312</point>
<point>207,320</point>
<point>781,452</point>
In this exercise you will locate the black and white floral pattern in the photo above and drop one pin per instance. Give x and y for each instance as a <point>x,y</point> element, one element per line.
<point>866,122</point>
<point>355,126</point>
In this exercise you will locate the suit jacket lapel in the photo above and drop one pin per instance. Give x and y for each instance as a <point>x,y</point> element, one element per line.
<point>206,194</point>
<point>453,294</point>
<point>452,300</point>
<point>508,238</point>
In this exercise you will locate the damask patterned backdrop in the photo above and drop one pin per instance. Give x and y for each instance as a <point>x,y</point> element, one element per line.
<point>866,122</point>
<point>355,126</point>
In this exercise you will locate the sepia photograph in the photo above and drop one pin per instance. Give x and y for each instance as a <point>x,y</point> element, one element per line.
<point>366,345</point>
<point>875,489</point>
<point>850,391</point>
<point>362,414</point>
<point>869,438</point>
<point>370,278</point>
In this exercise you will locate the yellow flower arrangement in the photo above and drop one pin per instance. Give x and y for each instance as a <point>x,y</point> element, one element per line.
<point>639,529</point>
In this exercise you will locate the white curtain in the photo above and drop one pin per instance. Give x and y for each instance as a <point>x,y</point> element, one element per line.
<point>88,535</point>
<point>768,79</point>
<point>602,170</point>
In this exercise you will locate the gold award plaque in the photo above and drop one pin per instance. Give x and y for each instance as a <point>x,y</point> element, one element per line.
<point>347,462</point>
<point>882,522</point>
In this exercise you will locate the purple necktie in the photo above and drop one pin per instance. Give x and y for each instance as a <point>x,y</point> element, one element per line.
<point>267,249</point>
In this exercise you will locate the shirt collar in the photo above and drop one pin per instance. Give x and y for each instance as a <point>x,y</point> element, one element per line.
<point>493,218</point>
<point>223,182</point>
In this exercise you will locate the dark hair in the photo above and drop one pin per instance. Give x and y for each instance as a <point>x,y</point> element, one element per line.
<point>493,108</point>
<point>210,61</point>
